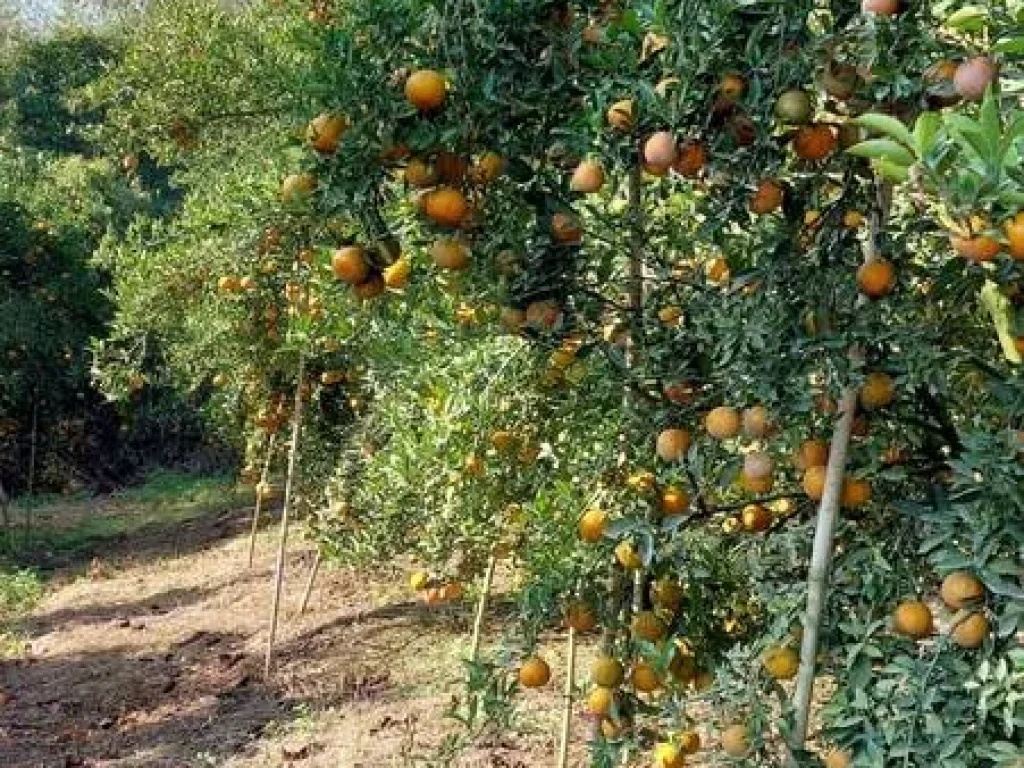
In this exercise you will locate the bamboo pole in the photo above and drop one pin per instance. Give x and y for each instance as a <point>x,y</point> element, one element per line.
<point>33,446</point>
<point>313,571</point>
<point>285,513</point>
<point>481,608</point>
<point>570,683</point>
<point>264,474</point>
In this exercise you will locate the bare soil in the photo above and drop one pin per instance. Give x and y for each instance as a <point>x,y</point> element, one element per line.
<point>148,654</point>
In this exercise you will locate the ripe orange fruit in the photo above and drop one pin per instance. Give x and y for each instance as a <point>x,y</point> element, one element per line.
<point>758,465</point>
<point>613,730</point>
<point>735,740</point>
<point>756,485</point>
<point>674,501</point>
<point>814,142</point>
<point>446,206</point>
<point>691,158</point>
<point>731,86</point>
<point>876,278</point>
<point>644,678</point>
<point>794,107</point>
<point>717,271</point>
<point>627,556</point>
<point>756,422</point>
<point>814,482</point>
<point>672,444</point>
<point>668,755</point>
<point>297,186</point>
<point>667,594</point>
<point>420,174</point>
<point>1015,236</point>
<point>426,89</point>
<point>976,248</point>
<point>877,391</point>
<point>325,131</point>
<point>781,662</point>
<point>660,149</point>
<point>588,177</point>
<point>488,168</point>
<point>535,673</point>
<point>689,742</point>
<point>397,275</point>
<point>961,589</point>
<point>670,315</point>
<point>600,700</point>
<point>622,115</point>
<point>592,525</point>
<point>228,284</point>
<point>970,633</point>
<point>974,76</point>
<point>543,314</point>
<point>450,254</point>
<point>838,758</point>
<point>755,518</point>
<point>349,264</point>
<point>912,619</point>
<point>451,168</point>
<point>722,422</point>
<point>565,229</point>
<point>418,580</point>
<point>647,626</point>
<point>767,198</point>
<point>451,591</point>
<point>855,492</point>
<point>880,7</point>
<point>580,616</point>
<point>606,672</point>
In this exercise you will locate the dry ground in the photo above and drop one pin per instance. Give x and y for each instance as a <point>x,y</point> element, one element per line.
<point>146,652</point>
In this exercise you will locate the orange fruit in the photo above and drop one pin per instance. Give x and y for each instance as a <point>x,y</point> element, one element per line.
<point>418,580</point>
<point>814,482</point>
<point>877,391</point>
<point>450,254</point>
<point>756,518</point>
<point>722,422</point>
<point>397,275</point>
<point>451,591</point>
<point>325,131</point>
<point>668,755</point>
<point>426,89</point>
<point>660,149</point>
<point>229,284</point>
<point>1015,236</point>
<point>756,484</point>
<point>488,168</point>
<point>758,465</point>
<point>446,206</point>
<point>743,130</point>
<point>689,742</point>
<point>974,76</point>
<point>451,168</point>
<point>674,501</point>
<point>691,158</point>
<point>767,198</point>
<point>838,758</point>
<point>961,589</point>
<point>534,673</point>
<point>644,678</point>
<point>731,86</point>
<point>592,525</point>
<point>588,177</point>
<point>794,106</point>
<point>420,174</point>
<point>606,672</point>
<point>670,315</point>
<point>970,633</point>
<point>913,619</point>
<point>647,626</point>
<point>600,700</point>
<point>580,616</point>
<point>756,422</point>
<point>814,142</point>
<point>622,115</point>
<point>979,248</point>
<point>855,492</point>
<point>349,264</point>
<point>672,444</point>
<point>781,662</point>
<point>565,229</point>
<point>297,187</point>
<point>876,278</point>
<point>735,740</point>
<point>627,556</point>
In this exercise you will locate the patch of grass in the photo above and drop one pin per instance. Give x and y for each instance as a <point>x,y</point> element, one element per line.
<point>20,590</point>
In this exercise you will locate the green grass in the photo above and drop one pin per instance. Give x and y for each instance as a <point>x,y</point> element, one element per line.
<point>20,590</point>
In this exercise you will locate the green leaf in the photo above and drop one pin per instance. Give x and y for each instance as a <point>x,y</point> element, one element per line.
<point>970,18</point>
<point>1001,310</point>
<point>887,126</point>
<point>883,149</point>
<point>891,171</point>
<point>926,132</point>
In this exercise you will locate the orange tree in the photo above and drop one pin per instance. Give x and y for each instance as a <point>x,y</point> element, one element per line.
<point>668,203</point>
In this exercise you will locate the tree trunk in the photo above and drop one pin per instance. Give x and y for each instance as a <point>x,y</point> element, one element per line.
<point>282,542</point>
<point>570,682</point>
<point>313,571</point>
<point>264,474</point>
<point>481,608</point>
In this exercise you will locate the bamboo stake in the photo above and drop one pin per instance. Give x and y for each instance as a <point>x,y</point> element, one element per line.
<point>33,445</point>
<point>570,682</point>
<point>817,579</point>
<point>283,537</point>
<point>313,571</point>
<point>481,608</point>
<point>264,474</point>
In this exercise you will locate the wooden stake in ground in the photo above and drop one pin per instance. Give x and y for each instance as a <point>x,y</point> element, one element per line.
<point>821,557</point>
<point>264,474</point>
<point>570,684</point>
<point>313,571</point>
<point>481,609</point>
<point>282,542</point>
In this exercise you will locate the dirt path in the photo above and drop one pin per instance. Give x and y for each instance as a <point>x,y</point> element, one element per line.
<point>150,657</point>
